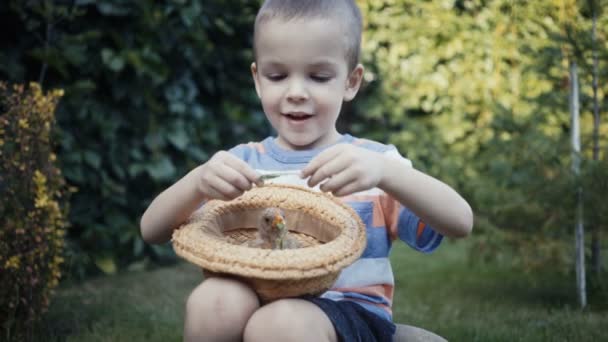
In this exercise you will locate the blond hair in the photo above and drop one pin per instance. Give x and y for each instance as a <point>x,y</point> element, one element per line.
<point>344,12</point>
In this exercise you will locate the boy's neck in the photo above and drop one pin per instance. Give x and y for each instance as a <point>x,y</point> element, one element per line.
<point>283,144</point>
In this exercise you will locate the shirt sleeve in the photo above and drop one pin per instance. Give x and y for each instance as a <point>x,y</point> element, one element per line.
<point>241,151</point>
<point>414,232</point>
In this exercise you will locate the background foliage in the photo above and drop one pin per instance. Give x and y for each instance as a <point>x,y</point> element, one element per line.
<point>152,89</point>
<point>32,210</point>
<point>474,92</point>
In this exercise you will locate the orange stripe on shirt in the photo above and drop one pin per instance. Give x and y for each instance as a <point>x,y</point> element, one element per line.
<point>380,290</point>
<point>358,198</point>
<point>381,306</point>
<point>420,230</point>
<point>391,214</point>
<point>378,216</point>
<point>258,146</point>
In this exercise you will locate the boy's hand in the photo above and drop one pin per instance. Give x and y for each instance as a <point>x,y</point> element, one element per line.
<point>225,177</point>
<point>347,169</point>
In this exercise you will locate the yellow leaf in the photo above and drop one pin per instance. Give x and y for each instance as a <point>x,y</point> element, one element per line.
<point>106,264</point>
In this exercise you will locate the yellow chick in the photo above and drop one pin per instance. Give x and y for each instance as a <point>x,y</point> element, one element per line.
<point>272,231</point>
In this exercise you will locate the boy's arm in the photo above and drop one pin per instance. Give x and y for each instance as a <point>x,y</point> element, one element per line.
<point>223,177</point>
<point>346,169</point>
<point>170,208</point>
<point>436,203</point>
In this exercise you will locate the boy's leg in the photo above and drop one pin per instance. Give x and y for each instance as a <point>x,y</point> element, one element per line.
<point>289,320</point>
<point>218,310</point>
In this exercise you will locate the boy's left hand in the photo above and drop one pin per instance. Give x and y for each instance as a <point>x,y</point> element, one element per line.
<point>346,169</point>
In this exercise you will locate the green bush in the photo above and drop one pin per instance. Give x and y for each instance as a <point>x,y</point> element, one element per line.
<point>152,90</point>
<point>476,93</point>
<point>32,214</point>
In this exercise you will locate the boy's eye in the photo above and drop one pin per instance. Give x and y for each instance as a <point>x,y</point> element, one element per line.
<point>320,78</point>
<point>276,77</point>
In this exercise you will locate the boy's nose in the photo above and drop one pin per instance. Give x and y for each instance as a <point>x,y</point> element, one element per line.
<point>297,91</point>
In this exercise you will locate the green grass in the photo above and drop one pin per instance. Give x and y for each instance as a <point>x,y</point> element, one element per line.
<point>135,306</point>
<point>441,292</point>
<point>465,301</point>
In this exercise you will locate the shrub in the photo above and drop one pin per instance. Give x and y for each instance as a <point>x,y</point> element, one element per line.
<point>32,219</point>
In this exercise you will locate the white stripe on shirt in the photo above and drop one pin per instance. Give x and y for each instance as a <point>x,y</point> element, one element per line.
<point>366,272</point>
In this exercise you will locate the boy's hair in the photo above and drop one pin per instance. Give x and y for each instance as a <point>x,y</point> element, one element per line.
<point>345,12</point>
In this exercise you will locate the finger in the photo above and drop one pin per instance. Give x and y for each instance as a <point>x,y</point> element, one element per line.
<point>338,181</point>
<point>224,190</point>
<point>234,178</point>
<point>327,170</point>
<point>213,194</point>
<point>243,168</point>
<point>320,160</point>
<point>348,189</point>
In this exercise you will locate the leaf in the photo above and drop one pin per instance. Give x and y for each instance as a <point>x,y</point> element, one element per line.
<point>111,9</point>
<point>112,60</point>
<point>154,140</point>
<point>177,107</point>
<point>106,264</point>
<point>75,54</point>
<point>85,85</point>
<point>138,247</point>
<point>197,153</point>
<point>92,158</point>
<point>162,169</point>
<point>179,139</point>
<point>135,169</point>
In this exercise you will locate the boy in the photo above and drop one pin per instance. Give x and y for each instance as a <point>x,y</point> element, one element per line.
<point>306,65</point>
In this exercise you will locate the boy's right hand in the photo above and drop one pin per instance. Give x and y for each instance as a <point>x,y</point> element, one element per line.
<point>225,177</point>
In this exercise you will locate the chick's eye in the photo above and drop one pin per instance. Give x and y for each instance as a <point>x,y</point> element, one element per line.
<point>267,219</point>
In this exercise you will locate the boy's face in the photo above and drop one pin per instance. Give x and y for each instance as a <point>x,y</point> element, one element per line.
<point>302,78</point>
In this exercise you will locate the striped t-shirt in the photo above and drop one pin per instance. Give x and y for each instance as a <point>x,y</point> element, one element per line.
<point>368,281</point>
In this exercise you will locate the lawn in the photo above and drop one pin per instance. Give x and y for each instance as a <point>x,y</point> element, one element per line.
<point>442,292</point>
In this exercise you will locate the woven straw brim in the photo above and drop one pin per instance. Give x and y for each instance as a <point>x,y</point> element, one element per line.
<point>332,234</point>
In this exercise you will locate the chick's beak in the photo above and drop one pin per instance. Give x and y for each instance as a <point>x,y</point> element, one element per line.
<point>278,222</point>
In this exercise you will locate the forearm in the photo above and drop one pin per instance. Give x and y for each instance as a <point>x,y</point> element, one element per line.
<point>437,204</point>
<point>171,208</point>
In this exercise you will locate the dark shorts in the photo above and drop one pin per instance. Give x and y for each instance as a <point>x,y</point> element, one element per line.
<point>354,323</point>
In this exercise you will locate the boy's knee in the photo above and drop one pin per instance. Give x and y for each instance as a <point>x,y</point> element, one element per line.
<point>219,306</point>
<point>270,321</point>
<point>280,313</point>
<point>288,319</point>
<point>222,297</point>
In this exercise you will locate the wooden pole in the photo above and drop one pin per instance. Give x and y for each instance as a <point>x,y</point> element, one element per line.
<point>579,233</point>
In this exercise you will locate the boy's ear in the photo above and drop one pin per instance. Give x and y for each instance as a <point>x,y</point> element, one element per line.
<point>254,73</point>
<point>353,82</point>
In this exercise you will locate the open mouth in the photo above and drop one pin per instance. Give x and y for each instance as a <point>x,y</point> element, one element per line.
<point>298,116</point>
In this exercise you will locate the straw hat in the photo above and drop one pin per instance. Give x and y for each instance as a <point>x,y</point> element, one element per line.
<point>331,233</point>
